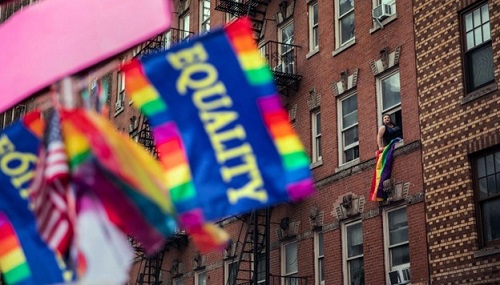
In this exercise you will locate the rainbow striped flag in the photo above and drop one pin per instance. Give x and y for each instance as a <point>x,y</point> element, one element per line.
<point>13,262</point>
<point>383,169</point>
<point>223,137</point>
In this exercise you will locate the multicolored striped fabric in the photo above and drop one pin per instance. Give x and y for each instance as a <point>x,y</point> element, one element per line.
<point>383,170</point>
<point>13,264</point>
<point>223,137</point>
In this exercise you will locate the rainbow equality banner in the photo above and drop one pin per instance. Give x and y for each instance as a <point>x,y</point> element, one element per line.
<point>223,137</point>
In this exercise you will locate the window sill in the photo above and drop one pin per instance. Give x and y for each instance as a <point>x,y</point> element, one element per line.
<point>347,165</point>
<point>384,23</point>
<point>344,47</point>
<point>316,164</point>
<point>313,52</point>
<point>479,93</point>
<point>486,252</point>
<point>119,111</point>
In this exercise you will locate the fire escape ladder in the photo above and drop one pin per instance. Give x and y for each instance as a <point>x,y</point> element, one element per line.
<point>255,9</point>
<point>145,136</point>
<point>254,244</point>
<point>151,272</point>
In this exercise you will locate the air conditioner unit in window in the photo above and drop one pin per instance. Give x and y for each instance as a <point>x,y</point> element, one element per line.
<point>381,12</point>
<point>400,276</point>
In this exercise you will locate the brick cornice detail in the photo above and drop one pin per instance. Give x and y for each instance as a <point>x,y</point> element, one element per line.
<point>386,61</point>
<point>346,83</point>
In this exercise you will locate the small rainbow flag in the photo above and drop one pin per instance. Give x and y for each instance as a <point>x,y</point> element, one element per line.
<point>383,169</point>
<point>222,135</point>
<point>13,264</point>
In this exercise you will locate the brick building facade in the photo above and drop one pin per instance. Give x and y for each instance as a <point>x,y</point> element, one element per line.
<point>343,80</point>
<point>458,69</point>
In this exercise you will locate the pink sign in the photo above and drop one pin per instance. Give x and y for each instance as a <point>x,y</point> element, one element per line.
<point>52,39</point>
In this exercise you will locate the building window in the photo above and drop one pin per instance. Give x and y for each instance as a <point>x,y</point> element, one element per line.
<point>230,271</point>
<point>290,266</point>
<point>184,26</point>
<point>389,97</point>
<point>478,52</point>
<point>120,99</point>
<point>487,184</point>
<point>316,135</point>
<point>204,16</point>
<point>353,253</point>
<point>286,50</point>
<point>345,22</point>
<point>177,281</point>
<point>319,259</point>
<point>200,278</point>
<point>313,26</point>
<point>390,3</point>
<point>261,269</point>
<point>396,239</point>
<point>348,120</point>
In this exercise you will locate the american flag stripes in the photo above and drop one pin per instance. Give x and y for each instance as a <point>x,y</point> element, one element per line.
<point>50,189</point>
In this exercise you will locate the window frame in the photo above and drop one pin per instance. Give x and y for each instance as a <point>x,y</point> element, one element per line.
<point>316,136</point>
<point>177,281</point>
<point>313,27</point>
<point>183,30</point>
<point>341,141</point>
<point>468,52</point>
<point>394,109</point>
<point>227,265</point>
<point>284,258</point>
<point>478,200</point>
<point>388,247</point>
<point>204,19</point>
<point>338,26</point>
<point>345,258</point>
<point>197,277</point>
<point>319,258</point>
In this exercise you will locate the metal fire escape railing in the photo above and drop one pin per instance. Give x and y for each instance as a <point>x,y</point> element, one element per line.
<point>255,9</point>
<point>164,41</point>
<point>252,247</point>
<point>282,59</point>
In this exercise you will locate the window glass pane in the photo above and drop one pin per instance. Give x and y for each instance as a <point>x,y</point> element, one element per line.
<point>291,258</point>
<point>354,240</point>
<point>350,136</point>
<point>345,6</point>
<point>350,111</point>
<point>482,66</point>
<point>315,13</point>
<point>391,91</point>
<point>320,244</point>
<point>398,226</point>
<point>356,274</point>
<point>468,22</point>
<point>318,146</point>
<point>497,189</point>
<point>486,32</point>
<point>490,164</point>
<point>483,189</point>
<point>470,40</point>
<point>321,269</point>
<point>347,28</point>
<point>485,15</point>
<point>478,36</point>
<point>491,216</point>
<point>400,255</point>
<point>481,171</point>
<point>491,185</point>
<point>202,278</point>
<point>351,154</point>
<point>476,15</point>
<point>318,123</point>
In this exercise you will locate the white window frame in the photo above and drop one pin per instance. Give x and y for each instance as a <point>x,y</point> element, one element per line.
<point>184,25</point>
<point>313,27</point>
<point>204,18</point>
<point>342,147</point>
<point>338,26</point>
<point>262,279</point>
<point>177,281</point>
<point>197,278</point>
<point>319,258</point>
<point>388,246</point>
<point>345,258</point>
<point>286,57</point>
<point>227,265</point>
<point>316,149</point>
<point>284,260</point>
<point>392,109</point>
<point>120,99</point>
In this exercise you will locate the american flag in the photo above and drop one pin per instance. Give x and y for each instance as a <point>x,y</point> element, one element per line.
<point>50,191</point>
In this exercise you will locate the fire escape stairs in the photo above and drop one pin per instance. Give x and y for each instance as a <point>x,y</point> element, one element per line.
<point>151,273</point>
<point>254,242</point>
<point>255,9</point>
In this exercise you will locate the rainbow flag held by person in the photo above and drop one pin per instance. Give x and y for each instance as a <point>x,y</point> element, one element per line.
<point>383,169</point>
<point>223,137</point>
<point>24,257</point>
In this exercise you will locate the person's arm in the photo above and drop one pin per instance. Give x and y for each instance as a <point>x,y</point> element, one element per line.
<point>380,138</point>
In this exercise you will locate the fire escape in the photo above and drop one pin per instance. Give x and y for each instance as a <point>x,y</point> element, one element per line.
<point>151,272</point>
<point>281,56</point>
